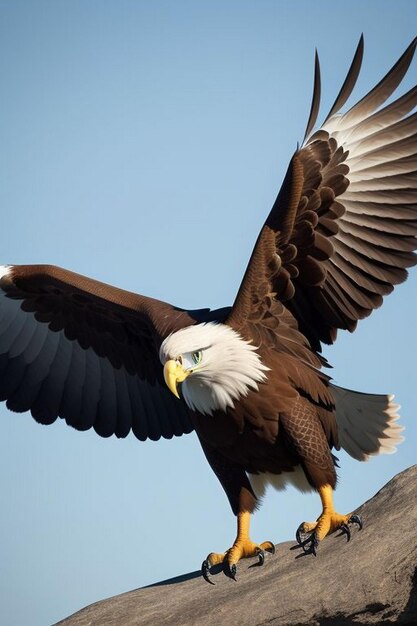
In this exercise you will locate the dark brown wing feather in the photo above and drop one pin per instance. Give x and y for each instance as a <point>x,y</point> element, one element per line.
<point>315,103</point>
<point>87,352</point>
<point>343,229</point>
<point>350,81</point>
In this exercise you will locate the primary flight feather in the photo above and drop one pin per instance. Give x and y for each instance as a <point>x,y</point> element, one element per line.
<point>247,378</point>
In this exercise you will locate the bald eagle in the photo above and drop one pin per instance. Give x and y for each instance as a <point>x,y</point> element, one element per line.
<point>248,379</point>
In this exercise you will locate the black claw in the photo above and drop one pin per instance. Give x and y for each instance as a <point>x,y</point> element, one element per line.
<point>232,572</point>
<point>356,519</point>
<point>298,534</point>
<point>311,549</point>
<point>272,549</point>
<point>261,557</point>
<point>205,571</point>
<point>310,544</point>
<point>345,530</point>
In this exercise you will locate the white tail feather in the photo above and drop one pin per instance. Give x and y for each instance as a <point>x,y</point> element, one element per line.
<point>366,423</point>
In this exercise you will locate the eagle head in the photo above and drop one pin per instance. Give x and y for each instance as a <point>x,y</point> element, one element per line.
<point>213,364</point>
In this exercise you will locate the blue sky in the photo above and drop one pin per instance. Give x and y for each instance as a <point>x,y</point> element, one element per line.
<point>143,143</point>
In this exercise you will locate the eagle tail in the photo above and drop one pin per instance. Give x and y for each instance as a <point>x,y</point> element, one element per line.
<point>366,423</point>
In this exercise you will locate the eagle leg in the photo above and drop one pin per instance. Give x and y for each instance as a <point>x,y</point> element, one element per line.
<point>242,547</point>
<point>243,502</point>
<point>328,522</point>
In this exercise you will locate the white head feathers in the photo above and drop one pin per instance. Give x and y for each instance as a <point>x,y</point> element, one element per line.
<point>229,366</point>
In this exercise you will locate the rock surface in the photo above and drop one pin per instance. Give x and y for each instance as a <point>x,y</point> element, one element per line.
<point>371,580</point>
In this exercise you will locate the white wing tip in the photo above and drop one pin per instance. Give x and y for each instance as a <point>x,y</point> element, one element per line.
<point>5,270</point>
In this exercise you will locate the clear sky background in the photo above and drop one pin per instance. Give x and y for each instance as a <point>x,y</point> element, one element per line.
<point>142,144</point>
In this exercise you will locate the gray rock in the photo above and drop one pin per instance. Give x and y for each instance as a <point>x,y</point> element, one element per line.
<point>371,580</point>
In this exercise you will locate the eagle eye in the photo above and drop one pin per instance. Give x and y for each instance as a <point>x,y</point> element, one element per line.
<point>196,357</point>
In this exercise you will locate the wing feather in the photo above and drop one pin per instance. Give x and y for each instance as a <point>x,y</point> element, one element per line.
<point>124,410</point>
<point>343,230</point>
<point>387,116</point>
<point>382,210</point>
<point>315,103</point>
<point>355,273</point>
<point>374,237</point>
<point>12,374</point>
<point>26,391</point>
<point>106,418</point>
<point>367,299</point>
<point>378,95</point>
<point>403,129</point>
<point>74,348</point>
<point>23,338</point>
<point>139,423</point>
<point>71,401</point>
<point>46,407</point>
<point>350,81</point>
<point>389,183</point>
<point>11,331</point>
<point>153,420</point>
<point>391,152</point>
<point>399,227</point>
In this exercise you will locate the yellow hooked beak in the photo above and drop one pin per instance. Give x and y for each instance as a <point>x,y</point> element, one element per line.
<point>173,374</point>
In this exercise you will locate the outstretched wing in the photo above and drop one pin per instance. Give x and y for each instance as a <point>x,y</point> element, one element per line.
<point>343,229</point>
<point>75,348</point>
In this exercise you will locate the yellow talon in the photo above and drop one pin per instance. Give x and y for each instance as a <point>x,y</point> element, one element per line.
<point>328,522</point>
<point>242,548</point>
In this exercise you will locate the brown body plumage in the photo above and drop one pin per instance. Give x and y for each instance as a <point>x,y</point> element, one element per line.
<point>340,235</point>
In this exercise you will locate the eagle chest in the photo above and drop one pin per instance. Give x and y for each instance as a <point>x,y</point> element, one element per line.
<point>247,436</point>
